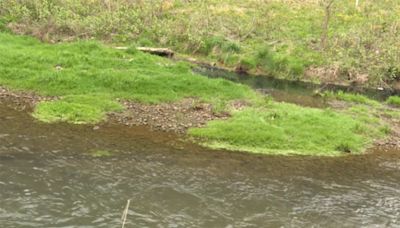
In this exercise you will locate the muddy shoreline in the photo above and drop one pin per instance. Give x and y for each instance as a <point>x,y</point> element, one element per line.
<point>176,117</point>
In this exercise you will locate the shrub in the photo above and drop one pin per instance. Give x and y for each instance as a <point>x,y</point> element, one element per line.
<point>219,44</point>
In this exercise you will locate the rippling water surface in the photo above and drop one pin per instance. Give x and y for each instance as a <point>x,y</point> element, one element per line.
<point>50,178</point>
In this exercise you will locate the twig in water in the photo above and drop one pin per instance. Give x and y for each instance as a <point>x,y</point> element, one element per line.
<point>125,213</point>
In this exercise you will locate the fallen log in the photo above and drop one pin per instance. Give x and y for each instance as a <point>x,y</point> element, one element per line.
<point>164,52</point>
<point>157,51</point>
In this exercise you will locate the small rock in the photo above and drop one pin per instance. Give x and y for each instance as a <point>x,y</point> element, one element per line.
<point>59,68</point>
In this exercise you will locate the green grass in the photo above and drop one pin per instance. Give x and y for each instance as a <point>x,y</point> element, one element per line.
<point>350,97</point>
<point>88,67</point>
<point>289,129</point>
<point>394,100</point>
<point>100,153</point>
<point>81,109</point>
<point>83,72</point>
<point>394,114</point>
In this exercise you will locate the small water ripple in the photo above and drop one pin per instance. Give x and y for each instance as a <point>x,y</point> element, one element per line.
<point>48,179</point>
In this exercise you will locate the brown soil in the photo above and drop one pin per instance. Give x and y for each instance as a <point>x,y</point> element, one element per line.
<point>176,117</point>
<point>21,100</point>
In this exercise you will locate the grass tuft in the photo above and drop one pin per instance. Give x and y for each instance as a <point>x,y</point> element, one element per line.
<point>100,153</point>
<point>355,98</point>
<point>289,129</point>
<point>394,100</point>
<point>60,111</point>
<point>81,109</point>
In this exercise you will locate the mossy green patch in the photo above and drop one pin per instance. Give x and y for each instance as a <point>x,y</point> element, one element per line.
<point>289,129</point>
<point>394,100</point>
<point>59,111</point>
<point>100,153</point>
<point>76,109</point>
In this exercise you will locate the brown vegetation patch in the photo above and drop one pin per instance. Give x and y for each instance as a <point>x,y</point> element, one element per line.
<point>336,75</point>
<point>393,139</point>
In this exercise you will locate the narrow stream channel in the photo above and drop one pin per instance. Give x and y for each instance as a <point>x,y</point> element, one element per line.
<point>297,92</point>
<point>48,178</point>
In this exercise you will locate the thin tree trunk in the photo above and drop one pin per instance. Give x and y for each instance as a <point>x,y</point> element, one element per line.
<point>325,26</point>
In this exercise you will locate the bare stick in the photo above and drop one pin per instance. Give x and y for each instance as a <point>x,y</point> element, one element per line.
<point>125,213</point>
<point>325,28</point>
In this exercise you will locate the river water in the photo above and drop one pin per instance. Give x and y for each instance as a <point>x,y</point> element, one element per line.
<point>50,178</point>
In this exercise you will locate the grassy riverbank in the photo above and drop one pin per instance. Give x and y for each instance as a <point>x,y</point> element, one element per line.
<point>87,80</point>
<point>92,76</point>
<point>288,39</point>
